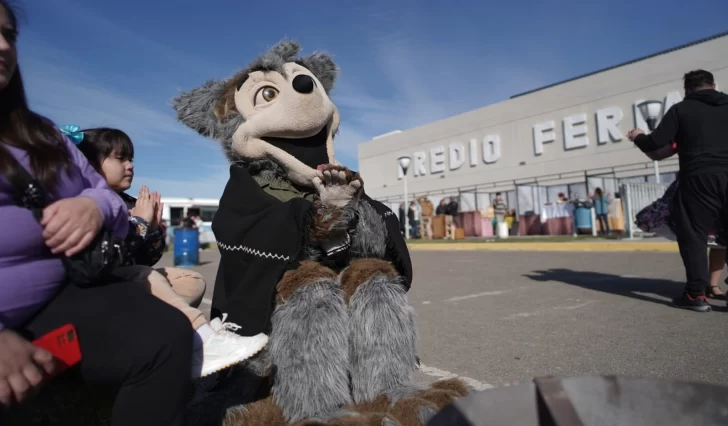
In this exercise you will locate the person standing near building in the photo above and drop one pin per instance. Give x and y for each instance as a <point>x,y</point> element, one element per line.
<point>699,126</point>
<point>601,210</point>
<point>402,212</point>
<point>427,210</point>
<point>500,208</point>
<point>426,207</point>
<point>442,207</point>
<point>453,209</point>
<point>414,216</point>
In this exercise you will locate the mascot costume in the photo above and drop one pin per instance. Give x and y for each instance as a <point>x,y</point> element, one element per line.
<point>306,256</point>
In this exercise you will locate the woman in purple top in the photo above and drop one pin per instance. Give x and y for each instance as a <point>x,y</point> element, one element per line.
<point>127,336</point>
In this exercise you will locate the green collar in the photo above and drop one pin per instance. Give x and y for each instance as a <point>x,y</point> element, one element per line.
<point>283,189</point>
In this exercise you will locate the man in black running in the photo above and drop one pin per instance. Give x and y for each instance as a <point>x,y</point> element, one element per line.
<point>699,126</point>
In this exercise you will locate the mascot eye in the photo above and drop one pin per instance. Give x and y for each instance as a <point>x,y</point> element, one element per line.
<point>266,94</point>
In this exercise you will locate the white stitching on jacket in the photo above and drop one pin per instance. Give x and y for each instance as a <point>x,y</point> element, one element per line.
<point>252,251</point>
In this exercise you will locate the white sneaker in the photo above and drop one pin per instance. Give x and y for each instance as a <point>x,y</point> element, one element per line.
<point>225,348</point>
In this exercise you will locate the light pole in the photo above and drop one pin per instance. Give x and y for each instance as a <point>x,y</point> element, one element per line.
<point>652,113</point>
<point>404,163</point>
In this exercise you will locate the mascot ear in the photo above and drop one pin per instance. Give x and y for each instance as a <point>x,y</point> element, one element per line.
<point>323,67</point>
<point>285,50</point>
<point>282,52</point>
<point>196,110</point>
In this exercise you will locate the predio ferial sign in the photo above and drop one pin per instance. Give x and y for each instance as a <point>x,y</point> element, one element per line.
<point>574,130</point>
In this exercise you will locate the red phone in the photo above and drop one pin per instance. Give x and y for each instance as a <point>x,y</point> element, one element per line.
<point>63,344</point>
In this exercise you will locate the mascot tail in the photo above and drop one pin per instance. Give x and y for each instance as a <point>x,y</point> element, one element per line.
<point>309,344</point>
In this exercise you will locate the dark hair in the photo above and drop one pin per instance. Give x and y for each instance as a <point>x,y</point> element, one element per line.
<point>697,79</point>
<point>101,142</point>
<point>497,194</point>
<point>22,128</point>
<point>598,192</point>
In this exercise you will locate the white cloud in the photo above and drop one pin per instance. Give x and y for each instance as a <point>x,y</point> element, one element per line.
<point>116,35</point>
<point>68,89</point>
<point>66,85</point>
<point>69,96</point>
<point>422,82</point>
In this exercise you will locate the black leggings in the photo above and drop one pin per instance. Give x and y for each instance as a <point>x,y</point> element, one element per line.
<point>603,223</point>
<point>130,338</point>
<point>699,208</point>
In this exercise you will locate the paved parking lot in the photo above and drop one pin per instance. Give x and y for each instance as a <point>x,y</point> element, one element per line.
<point>500,317</point>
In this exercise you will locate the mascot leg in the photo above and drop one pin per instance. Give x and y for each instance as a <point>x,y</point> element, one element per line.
<point>309,343</point>
<point>383,348</point>
<point>383,336</point>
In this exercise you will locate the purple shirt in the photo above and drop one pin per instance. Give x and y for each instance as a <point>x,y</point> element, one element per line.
<point>30,275</point>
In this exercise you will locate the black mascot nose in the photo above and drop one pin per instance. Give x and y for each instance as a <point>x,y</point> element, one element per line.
<point>303,84</point>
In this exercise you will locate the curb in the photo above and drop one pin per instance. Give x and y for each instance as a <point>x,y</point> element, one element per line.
<point>660,247</point>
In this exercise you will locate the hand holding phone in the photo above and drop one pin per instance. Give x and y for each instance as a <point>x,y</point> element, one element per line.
<point>63,344</point>
<point>22,367</point>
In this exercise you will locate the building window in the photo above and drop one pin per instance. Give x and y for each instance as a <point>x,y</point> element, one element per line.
<point>552,192</point>
<point>577,191</point>
<point>208,213</point>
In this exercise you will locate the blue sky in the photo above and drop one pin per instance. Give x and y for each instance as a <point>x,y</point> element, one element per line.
<point>403,63</point>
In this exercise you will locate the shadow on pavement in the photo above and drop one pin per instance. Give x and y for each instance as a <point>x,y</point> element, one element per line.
<point>636,288</point>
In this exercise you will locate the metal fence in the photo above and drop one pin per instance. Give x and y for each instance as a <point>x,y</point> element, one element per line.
<point>637,196</point>
<point>527,195</point>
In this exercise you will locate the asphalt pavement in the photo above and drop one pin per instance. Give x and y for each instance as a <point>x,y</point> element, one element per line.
<point>496,318</point>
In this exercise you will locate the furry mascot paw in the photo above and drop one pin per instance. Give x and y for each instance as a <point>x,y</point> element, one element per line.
<point>306,256</point>
<point>337,186</point>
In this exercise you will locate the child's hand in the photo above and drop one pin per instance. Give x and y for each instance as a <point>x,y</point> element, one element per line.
<point>144,207</point>
<point>158,210</point>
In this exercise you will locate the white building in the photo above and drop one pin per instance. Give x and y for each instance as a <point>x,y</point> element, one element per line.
<point>568,137</point>
<point>176,209</point>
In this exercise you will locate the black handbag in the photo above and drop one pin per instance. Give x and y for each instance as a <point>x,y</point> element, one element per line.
<point>93,265</point>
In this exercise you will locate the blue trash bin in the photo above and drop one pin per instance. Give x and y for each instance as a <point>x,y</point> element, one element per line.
<point>583,218</point>
<point>186,247</point>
